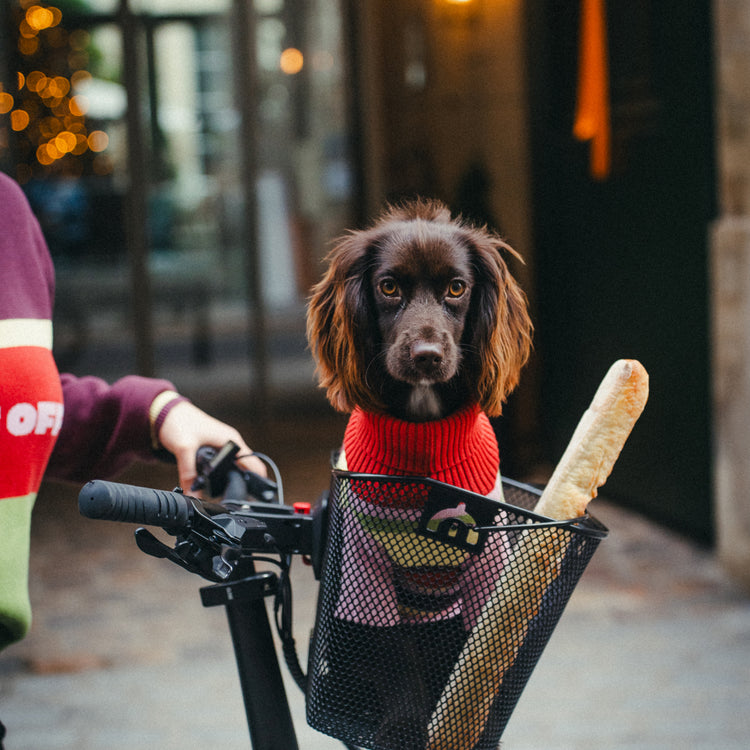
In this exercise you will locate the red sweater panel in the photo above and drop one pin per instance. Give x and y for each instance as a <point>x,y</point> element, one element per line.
<point>460,450</point>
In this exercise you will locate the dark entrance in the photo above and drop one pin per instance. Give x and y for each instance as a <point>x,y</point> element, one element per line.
<point>622,262</point>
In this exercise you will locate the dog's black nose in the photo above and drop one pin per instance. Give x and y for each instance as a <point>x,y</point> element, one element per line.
<point>426,355</point>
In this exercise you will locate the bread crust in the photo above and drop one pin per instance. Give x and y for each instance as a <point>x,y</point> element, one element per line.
<point>597,441</point>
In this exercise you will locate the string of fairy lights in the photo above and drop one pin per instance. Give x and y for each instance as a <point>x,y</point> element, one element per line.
<point>46,114</point>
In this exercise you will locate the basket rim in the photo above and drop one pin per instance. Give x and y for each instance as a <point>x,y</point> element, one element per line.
<point>586,525</point>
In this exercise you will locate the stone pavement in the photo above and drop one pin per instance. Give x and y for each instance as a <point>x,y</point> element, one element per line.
<point>652,653</point>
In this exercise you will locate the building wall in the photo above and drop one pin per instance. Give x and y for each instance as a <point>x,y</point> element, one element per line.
<point>730,273</point>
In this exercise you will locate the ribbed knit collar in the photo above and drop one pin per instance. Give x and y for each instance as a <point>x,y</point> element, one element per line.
<point>460,449</point>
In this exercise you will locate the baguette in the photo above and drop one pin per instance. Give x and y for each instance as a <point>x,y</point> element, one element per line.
<point>501,628</point>
<point>596,442</point>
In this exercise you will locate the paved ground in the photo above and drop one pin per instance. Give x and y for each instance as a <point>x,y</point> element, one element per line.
<point>653,652</point>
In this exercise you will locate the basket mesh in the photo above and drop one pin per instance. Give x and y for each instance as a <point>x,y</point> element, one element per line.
<point>426,586</point>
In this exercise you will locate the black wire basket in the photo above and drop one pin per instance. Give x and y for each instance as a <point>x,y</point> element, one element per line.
<point>435,605</point>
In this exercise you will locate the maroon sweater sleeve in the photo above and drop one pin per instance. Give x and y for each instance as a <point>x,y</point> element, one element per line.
<point>105,427</point>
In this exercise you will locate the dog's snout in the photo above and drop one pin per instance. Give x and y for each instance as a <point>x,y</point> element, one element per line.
<point>427,354</point>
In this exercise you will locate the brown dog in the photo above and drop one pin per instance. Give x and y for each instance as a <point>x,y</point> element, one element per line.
<point>420,331</point>
<point>417,316</point>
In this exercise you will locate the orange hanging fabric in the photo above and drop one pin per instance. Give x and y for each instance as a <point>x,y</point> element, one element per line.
<point>592,118</point>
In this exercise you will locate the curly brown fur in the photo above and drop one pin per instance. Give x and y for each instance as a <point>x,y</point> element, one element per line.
<point>418,315</point>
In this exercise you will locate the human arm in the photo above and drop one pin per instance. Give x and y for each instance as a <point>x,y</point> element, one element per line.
<point>107,427</point>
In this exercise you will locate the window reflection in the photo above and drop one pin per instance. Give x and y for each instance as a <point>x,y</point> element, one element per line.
<point>63,115</point>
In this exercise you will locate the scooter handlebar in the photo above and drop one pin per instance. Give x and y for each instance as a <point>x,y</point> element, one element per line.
<point>111,501</point>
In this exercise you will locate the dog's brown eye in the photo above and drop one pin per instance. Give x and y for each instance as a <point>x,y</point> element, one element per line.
<point>456,288</point>
<point>389,287</point>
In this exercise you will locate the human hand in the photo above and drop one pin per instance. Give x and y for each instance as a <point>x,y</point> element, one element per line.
<point>186,428</point>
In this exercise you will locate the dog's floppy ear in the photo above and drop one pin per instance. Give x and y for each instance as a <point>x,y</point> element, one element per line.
<point>339,324</point>
<point>501,327</point>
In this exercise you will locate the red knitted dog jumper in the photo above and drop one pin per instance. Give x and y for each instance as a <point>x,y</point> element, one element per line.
<point>460,450</point>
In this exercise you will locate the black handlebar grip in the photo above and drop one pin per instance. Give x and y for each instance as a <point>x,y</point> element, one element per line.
<point>112,501</point>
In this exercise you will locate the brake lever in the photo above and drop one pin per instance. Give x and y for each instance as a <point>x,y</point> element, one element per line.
<point>212,547</point>
<point>149,544</point>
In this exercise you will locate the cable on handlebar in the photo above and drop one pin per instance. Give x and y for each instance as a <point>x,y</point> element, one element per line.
<point>276,474</point>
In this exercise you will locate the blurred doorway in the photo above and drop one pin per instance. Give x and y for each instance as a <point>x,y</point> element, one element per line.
<point>622,261</point>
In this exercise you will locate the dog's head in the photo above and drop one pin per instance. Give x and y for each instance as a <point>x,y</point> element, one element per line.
<point>417,316</point>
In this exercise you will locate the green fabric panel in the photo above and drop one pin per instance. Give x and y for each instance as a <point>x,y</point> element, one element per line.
<point>15,535</point>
